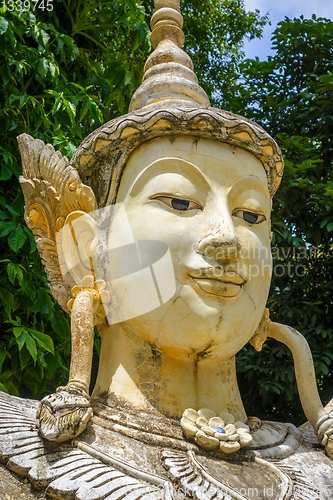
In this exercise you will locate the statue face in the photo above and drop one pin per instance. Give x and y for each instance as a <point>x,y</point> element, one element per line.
<point>209,202</point>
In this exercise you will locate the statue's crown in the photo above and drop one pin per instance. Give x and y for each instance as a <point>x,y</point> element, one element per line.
<point>168,72</point>
<point>168,102</point>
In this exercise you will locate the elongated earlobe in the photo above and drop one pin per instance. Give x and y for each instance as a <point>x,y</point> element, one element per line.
<point>261,333</point>
<point>77,245</point>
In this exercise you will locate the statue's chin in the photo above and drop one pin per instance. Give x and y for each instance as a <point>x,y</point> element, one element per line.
<point>181,332</point>
<point>215,316</point>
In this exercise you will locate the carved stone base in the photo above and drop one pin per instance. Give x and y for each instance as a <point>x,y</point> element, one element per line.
<point>14,487</point>
<point>119,459</point>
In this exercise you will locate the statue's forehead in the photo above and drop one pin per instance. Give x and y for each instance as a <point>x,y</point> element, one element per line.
<point>191,157</point>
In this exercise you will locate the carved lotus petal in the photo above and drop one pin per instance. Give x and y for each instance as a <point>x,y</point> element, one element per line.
<point>233,437</point>
<point>191,415</point>
<point>221,437</point>
<point>75,290</point>
<point>201,421</point>
<point>241,425</point>
<point>188,428</point>
<point>105,296</point>
<point>227,447</point>
<point>207,442</point>
<point>101,312</point>
<point>208,430</point>
<point>100,285</point>
<point>240,430</point>
<point>70,304</point>
<point>216,421</point>
<point>88,281</point>
<point>227,418</point>
<point>207,414</point>
<point>245,438</point>
<point>230,429</point>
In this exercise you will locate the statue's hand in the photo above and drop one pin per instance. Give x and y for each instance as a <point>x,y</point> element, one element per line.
<point>63,415</point>
<point>324,432</point>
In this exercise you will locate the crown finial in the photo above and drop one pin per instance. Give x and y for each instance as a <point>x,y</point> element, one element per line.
<point>168,72</point>
<point>166,23</point>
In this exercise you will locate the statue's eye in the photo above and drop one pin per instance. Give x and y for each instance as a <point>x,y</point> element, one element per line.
<point>178,203</point>
<point>249,217</point>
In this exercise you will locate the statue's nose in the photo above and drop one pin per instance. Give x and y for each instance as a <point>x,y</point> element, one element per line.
<point>220,242</point>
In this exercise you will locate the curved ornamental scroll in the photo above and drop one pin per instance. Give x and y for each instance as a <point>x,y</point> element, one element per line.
<point>52,190</point>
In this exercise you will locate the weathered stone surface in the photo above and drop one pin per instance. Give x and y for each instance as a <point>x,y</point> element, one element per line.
<point>14,487</point>
<point>106,464</point>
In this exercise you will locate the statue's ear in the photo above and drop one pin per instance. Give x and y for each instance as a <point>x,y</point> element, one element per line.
<point>262,332</point>
<point>77,245</point>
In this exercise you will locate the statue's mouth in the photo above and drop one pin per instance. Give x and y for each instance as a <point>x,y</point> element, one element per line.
<point>216,281</point>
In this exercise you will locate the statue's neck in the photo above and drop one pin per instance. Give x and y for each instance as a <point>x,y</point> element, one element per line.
<point>137,373</point>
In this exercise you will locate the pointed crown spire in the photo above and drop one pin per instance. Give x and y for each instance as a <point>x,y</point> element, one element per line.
<point>168,72</point>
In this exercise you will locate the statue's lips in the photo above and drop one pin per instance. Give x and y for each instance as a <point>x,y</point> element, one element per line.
<point>229,284</point>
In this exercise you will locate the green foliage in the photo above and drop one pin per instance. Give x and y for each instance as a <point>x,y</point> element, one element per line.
<point>291,95</point>
<point>60,73</point>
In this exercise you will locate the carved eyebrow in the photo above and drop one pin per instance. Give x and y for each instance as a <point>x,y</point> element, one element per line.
<point>252,181</point>
<point>181,167</point>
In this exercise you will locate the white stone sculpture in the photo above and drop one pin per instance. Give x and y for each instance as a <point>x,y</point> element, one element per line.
<point>158,232</point>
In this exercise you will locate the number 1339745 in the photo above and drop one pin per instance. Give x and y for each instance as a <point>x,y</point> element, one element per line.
<point>24,5</point>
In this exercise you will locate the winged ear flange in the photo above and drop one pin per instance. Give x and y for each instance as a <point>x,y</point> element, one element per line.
<point>65,471</point>
<point>52,190</point>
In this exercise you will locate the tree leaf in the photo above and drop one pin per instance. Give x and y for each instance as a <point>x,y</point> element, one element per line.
<point>3,25</point>
<point>329,227</point>
<point>31,346</point>
<point>3,356</point>
<point>11,389</point>
<point>6,227</point>
<point>20,335</point>
<point>84,109</point>
<point>6,173</point>
<point>17,239</point>
<point>7,299</point>
<point>42,340</point>
<point>43,67</point>
<point>24,357</point>
<point>13,271</point>
<point>31,239</point>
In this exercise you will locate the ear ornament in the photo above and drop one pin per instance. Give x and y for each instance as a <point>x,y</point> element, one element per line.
<point>101,297</point>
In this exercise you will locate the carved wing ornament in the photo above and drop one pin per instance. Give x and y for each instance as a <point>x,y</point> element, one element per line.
<point>79,471</point>
<point>52,190</point>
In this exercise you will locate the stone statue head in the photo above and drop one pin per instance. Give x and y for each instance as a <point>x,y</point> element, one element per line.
<point>199,180</point>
